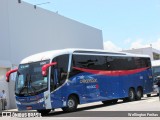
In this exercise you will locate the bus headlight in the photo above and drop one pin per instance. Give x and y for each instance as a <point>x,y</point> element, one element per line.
<point>18,103</point>
<point>40,100</point>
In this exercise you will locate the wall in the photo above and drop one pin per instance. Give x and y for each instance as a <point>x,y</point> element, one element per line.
<point>4,32</point>
<point>37,30</point>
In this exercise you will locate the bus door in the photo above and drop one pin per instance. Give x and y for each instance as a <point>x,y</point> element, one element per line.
<point>58,77</point>
<point>54,85</point>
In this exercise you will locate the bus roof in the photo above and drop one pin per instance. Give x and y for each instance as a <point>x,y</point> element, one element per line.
<point>155,63</point>
<point>53,53</point>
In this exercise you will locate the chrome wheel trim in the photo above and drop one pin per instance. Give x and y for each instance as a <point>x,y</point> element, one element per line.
<point>71,103</point>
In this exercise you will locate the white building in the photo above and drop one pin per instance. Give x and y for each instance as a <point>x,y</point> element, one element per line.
<point>25,30</point>
<point>153,53</point>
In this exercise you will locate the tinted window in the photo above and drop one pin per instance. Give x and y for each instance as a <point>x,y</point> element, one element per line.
<point>89,62</point>
<point>142,62</point>
<point>107,63</point>
<point>120,63</point>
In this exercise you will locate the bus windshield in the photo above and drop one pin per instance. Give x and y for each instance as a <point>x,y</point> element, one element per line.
<point>29,79</point>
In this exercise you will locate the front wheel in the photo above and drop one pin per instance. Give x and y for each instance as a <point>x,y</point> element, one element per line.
<point>72,103</point>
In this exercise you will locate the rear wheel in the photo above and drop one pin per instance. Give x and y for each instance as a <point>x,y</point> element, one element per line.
<point>139,94</point>
<point>72,103</point>
<point>44,112</point>
<point>131,95</point>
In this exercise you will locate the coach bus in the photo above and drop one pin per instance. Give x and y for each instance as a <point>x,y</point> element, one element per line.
<point>156,77</point>
<point>68,77</point>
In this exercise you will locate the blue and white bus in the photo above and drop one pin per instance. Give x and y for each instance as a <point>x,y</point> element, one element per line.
<point>66,78</point>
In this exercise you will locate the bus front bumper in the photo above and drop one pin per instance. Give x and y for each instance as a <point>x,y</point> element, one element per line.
<point>30,106</point>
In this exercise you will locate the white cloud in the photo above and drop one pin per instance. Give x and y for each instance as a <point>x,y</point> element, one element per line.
<point>110,46</point>
<point>139,43</point>
<point>142,44</point>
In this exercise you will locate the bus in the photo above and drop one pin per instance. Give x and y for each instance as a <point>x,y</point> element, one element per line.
<point>69,77</point>
<point>156,76</point>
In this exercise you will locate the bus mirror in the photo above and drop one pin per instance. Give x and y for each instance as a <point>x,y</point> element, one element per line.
<point>45,67</point>
<point>9,73</point>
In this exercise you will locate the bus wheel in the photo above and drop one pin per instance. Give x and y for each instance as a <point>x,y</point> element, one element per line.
<point>44,112</point>
<point>72,103</point>
<point>131,95</point>
<point>139,94</point>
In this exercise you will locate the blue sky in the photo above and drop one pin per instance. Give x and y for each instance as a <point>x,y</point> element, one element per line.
<point>125,24</point>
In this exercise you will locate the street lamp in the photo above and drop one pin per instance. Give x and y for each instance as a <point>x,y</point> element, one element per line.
<point>35,6</point>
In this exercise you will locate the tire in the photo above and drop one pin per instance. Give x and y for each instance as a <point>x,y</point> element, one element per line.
<point>110,101</point>
<point>139,94</point>
<point>72,103</point>
<point>131,95</point>
<point>148,95</point>
<point>44,112</point>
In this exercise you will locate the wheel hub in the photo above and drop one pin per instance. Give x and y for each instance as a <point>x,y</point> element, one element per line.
<point>71,103</point>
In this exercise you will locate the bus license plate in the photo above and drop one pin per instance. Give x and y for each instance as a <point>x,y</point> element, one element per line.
<point>29,108</point>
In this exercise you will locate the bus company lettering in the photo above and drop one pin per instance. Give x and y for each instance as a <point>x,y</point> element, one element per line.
<point>90,80</point>
<point>92,86</point>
